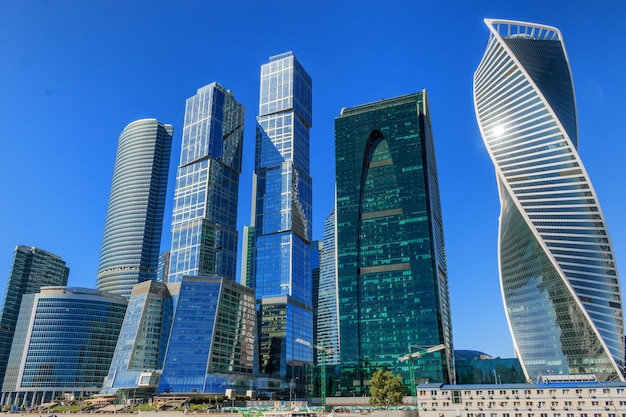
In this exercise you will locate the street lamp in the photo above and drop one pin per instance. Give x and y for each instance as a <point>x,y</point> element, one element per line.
<point>417,354</point>
<point>325,351</point>
<point>291,387</point>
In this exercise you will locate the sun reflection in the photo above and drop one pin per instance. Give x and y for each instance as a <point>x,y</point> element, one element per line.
<point>498,130</point>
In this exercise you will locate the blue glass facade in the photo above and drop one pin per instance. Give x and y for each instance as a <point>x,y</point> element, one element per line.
<point>280,271</point>
<point>143,339</point>
<point>31,270</point>
<point>391,267</point>
<point>65,343</point>
<point>204,218</point>
<point>212,342</point>
<point>558,274</point>
<point>132,232</point>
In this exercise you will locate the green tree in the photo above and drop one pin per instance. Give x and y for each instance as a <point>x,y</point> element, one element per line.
<point>386,389</point>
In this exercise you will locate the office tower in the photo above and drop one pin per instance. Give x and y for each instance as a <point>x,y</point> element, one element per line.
<point>132,231</point>
<point>63,346</point>
<point>557,268</point>
<point>32,269</point>
<point>163,270</point>
<point>212,342</point>
<point>281,273</point>
<point>138,358</point>
<point>204,218</point>
<point>212,337</point>
<point>247,251</point>
<point>316,251</point>
<point>391,267</point>
<point>327,309</point>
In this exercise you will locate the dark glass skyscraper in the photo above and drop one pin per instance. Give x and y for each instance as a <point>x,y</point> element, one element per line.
<point>559,280</point>
<point>204,218</point>
<point>280,272</point>
<point>391,266</point>
<point>132,232</point>
<point>31,270</point>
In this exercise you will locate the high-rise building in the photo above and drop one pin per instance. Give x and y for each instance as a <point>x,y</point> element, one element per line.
<point>558,276</point>
<point>316,251</point>
<point>247,251</point>
<point>204,218</point>
<point>140,351</point>
<point>212,343</point>
<point>391,266</point>
<point>163,270</point>
<point>31,270</point>
<point>132,232</point>
<point>63,345</point>
<point>280,271</point>
<point>327,334</point>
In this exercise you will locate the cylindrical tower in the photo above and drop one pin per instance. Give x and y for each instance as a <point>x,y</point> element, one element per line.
<point>132,232</point>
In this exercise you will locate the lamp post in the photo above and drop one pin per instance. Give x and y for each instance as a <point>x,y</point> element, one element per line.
<point>324,351</point>
<point>291,387</point>
<point>424,350</point>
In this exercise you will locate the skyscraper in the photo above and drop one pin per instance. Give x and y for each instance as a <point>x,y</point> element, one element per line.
<point>204,218</point>
<point>557,269</point>
<point>212,339</point>
<point>316,251</point>
<point>212,343</point>
<point>142,342</point>
<point>132,232</point>
<point>31,270</point>
<point>391,266</point>
<point>327,334</point>
<point>280,271</point>
<point>64,345</point>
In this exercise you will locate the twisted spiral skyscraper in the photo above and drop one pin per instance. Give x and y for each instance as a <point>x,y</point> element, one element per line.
<point>558,275</point>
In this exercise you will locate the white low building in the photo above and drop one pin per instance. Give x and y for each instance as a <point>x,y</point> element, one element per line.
<point>550,398</point>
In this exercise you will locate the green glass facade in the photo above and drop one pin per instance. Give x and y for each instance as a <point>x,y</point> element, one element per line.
<point>391,268</point>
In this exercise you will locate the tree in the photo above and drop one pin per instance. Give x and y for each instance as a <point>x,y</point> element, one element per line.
<point>386,389</point>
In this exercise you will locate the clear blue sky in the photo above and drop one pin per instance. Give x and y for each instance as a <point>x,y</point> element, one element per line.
<point>74,73</point>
